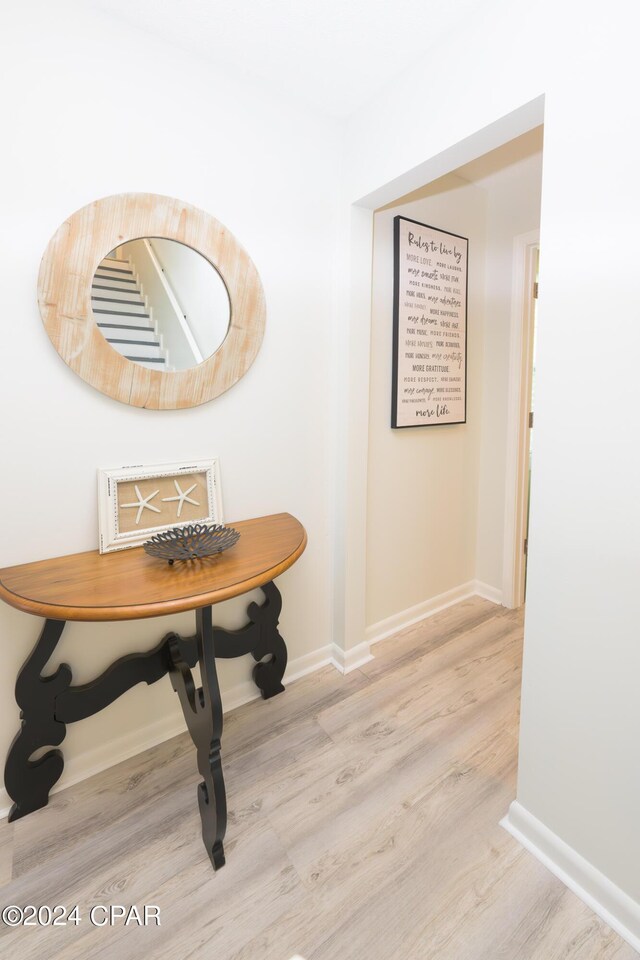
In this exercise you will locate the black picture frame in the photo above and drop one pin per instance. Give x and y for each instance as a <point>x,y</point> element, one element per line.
<point>396,324</point>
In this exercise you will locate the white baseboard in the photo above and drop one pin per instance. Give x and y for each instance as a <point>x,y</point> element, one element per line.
<point>111,752</point>
<point>357,656</point>
<point>347,660</point>
<point>606,899</point>
<point>488,592</point>
<point>406,618</point>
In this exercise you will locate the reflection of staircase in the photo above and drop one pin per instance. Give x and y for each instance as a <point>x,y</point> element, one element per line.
<point>123,315</point>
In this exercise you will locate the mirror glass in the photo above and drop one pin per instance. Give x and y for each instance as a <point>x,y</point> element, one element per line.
<point>160,304</point>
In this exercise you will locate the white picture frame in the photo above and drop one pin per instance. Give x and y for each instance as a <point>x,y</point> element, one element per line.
<point>137,502</point>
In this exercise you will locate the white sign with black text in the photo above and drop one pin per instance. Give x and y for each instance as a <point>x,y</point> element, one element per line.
<point>429,326</point>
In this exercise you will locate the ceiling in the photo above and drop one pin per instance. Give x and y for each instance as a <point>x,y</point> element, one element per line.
<point>332,56</point>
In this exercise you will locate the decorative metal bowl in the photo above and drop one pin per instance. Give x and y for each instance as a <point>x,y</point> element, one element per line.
<point>191,542</point>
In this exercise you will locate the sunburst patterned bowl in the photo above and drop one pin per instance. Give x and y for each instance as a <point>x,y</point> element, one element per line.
<point>191,542</point>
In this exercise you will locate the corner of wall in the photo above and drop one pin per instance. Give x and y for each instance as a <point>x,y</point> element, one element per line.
<point>602,896</point>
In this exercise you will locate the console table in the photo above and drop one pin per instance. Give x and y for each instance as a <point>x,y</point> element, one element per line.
<point>129,585</point>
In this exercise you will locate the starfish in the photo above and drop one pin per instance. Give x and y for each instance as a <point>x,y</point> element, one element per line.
<point>142,503</point>
<point>183,497</point>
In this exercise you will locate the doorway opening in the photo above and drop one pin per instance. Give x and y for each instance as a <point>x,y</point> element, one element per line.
<point>458,492</point>
<point>353,627</point>
<point>521,422</point>
<point>530,422</point>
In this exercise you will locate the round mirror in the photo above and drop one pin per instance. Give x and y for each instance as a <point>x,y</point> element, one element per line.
<point>138,283</point>
<point>160,304</point>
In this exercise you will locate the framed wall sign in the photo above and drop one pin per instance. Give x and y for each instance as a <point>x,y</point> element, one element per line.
<point>135,503</point>
<point>429,326</point>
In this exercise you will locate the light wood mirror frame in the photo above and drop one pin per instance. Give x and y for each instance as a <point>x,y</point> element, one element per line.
<point>64,298</point>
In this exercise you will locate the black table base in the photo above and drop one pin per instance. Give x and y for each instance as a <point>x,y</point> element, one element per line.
<point>48,703</point>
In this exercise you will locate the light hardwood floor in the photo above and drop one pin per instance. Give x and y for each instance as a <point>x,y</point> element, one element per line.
<point>363,825</point>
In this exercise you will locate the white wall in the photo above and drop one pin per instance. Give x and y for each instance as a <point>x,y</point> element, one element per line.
<point>250,161</point>
<point>580,704</point>
<point>423,484</point>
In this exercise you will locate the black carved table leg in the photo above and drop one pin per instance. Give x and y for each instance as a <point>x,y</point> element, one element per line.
<point>48,703</point>
<point>260,638</point>
<point>202,708</point>
<point>28,782</point>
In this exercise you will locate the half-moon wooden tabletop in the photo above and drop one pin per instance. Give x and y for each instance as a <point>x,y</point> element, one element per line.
<point>130,585</point>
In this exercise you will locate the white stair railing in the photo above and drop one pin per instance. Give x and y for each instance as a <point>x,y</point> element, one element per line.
<point>167,315</point>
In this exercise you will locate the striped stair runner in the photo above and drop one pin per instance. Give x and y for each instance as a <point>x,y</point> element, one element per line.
<point>123,316</point>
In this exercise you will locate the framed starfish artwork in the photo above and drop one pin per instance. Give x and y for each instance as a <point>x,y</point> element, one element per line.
<point>134,503</point>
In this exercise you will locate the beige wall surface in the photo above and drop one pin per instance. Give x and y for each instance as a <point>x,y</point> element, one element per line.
<point>423,482</point>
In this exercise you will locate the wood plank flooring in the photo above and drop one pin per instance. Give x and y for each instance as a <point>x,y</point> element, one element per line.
<point>363,825</point>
